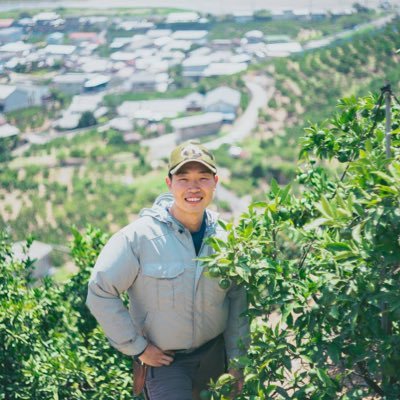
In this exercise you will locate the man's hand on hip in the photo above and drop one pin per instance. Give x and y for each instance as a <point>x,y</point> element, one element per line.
<point>155,357</point>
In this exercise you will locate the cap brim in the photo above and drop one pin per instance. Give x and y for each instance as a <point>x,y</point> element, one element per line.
<point>181,164</point>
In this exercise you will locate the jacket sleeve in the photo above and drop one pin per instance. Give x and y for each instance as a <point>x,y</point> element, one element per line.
<point>115,271</point>
<point>237,332</point>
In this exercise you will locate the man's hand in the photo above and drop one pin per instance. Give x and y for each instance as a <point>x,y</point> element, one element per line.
<point>238,384</point>
<point>155,357</point>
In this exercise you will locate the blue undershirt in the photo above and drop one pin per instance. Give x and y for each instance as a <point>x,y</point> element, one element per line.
<point>199,235</point>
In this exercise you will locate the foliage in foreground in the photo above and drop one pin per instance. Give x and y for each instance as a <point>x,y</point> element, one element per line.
<point>322,271</point>
<point>50,347</point>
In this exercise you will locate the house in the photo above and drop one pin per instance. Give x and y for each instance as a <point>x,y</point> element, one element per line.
<point>55,38</point>
<point>197,125</point>
<point>196,37</point>
<point>224,68</point>
<point>194,67</point>
<point>68,121</point>
<point>148,82</point>
<point>95,64</point>
<point>194,102</point>
<point>38,251</point>
<point>182,45</point>
<point>6,22</point>
<point>254,36</point>
<point>158,33</point>
<point>12,98</point>
<point>221,44</point>
<point>186,17</point>
<point>79,37</point>
<point>137,26</point>
<point>12,34</point>
<point>35,93</point>
<point>96,83</point>
<point>224,100</point>
<point>82,103</point>
<point>121,124</point>
<point>70,83</point>
<point>16,48</point>
<point>7,130</point>
<point>59,49</point>
<point>152,110</point>
<point>48,22</point>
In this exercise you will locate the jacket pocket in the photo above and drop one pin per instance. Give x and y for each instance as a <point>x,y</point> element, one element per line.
<point>164,285</point>
<point>212,293</point>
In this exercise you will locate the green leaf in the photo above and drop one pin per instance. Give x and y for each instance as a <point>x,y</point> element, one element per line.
<point>337,246</point>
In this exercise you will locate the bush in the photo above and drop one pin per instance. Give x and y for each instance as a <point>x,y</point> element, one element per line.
<point>50,345</point>
<point>325,268</point>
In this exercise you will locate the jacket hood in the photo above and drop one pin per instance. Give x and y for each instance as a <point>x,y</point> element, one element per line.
<point>160,207</point>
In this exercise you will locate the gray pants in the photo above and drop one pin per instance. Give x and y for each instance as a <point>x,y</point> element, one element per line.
<point>188,375</point>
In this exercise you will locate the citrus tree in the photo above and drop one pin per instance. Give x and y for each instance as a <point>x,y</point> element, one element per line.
<point>50,346</point>
<point>322,269</point>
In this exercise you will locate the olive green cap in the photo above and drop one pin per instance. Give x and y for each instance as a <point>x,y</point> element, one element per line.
<point>191,151</point>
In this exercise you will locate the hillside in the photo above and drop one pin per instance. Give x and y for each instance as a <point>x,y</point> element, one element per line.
<point>307,87</point>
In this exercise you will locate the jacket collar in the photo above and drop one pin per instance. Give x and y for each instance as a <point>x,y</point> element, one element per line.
<point>159,211</point>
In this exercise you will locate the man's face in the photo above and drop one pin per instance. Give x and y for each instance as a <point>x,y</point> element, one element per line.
<point>193,187</point>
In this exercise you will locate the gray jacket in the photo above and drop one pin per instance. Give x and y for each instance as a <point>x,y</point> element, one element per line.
<point>172,304</point>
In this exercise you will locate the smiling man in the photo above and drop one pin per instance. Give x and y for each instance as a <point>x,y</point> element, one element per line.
<point>181,324</point>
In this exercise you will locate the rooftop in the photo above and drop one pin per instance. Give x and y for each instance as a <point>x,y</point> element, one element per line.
<point>6,90</point>
<point>8,130</point>
<point>196,120</point>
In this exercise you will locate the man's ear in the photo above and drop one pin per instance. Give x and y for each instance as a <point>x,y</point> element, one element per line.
<point>216,179</point>
<point>168,181</point>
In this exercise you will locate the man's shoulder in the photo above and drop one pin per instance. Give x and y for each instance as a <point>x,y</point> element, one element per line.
<point>144,226</point>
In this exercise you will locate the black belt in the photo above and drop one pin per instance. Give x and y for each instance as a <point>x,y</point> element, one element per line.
<point>203,347</point>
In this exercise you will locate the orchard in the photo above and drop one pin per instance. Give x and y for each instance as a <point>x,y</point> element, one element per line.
<point>320,261</point>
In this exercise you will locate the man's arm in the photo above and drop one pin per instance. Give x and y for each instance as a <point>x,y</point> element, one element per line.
<point>115,271</point>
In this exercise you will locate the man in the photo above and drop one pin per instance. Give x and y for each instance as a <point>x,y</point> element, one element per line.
<point>180,322</point>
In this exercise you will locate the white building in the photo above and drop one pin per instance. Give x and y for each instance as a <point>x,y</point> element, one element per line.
<point>8,130</point>
<point>194,67</point>
<point>197,126</point>
<point>182,17</point>
<point>82,103</point>
<point>152,110</point>
<point>59,49</point>
<point>12,34</point>
<point>195,36</point>
<point>12,98</point>
<point>224,100</point>
<point>70,83</point>
<point>224,68</point>
<point>148,82</point>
